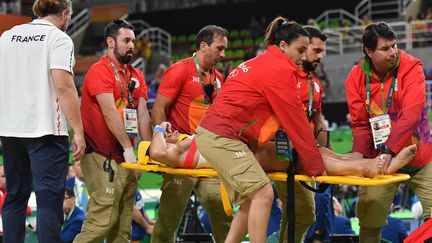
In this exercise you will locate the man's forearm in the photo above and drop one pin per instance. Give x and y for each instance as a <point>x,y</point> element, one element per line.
<point>322,139</point>
<point>115,125</point>
<point>160,107</point>
<point>113,119</point>
<point>68,99</point>
<point>158,115</point>
<point>139,218</point>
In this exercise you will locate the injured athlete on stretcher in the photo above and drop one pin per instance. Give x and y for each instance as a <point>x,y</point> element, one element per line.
<point>180,151</point>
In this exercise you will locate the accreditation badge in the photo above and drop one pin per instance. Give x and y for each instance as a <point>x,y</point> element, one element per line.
<point>130,119</point>
<point>283,146</point>
<point>381,128</point>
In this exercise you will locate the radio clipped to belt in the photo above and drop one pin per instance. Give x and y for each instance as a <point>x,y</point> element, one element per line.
<point>108,169</point>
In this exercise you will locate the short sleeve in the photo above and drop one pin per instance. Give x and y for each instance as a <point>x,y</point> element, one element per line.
<point>172,82</point>
<point>143,92</point>
<point>62,54</point>
<point>98,81</point>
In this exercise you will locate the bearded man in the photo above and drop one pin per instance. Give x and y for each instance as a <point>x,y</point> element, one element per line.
<point>114,113</point>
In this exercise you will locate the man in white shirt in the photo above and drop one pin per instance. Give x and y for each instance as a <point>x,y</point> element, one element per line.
<point>37,97</point>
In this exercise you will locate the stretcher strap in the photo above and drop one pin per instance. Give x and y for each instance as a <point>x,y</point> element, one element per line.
<point>321,188</point>
<point>143,152</point>
<point>290,200</point>
<point>190,155</point>
<point>226,201</point>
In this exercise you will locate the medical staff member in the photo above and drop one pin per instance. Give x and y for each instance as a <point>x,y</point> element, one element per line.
<point>388,87</point>
<point>310,91</point>
<point>187,89</point>
<point>114,111</point>
<point>259,96</point>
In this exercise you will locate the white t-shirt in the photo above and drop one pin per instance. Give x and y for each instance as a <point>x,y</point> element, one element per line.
<point>29,106</point>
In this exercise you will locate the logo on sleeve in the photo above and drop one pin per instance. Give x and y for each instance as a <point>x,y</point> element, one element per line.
<point>137,84</point>
<point>317,87</point>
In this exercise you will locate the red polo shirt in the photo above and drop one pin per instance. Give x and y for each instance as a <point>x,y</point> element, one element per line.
<point>181,84</point>
<point>101,79</point>
<point>260,96</point>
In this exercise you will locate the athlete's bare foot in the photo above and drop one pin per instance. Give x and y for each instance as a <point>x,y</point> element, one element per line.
<point>402,158</point>
<point>373,168</point>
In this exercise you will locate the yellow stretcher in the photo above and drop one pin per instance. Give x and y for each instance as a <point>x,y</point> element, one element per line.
<point>378,180</point>
<point>146,164</point>
<point>276,176</point>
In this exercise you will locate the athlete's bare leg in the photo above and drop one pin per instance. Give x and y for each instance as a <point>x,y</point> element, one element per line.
<point>335,164</point>
<point>267,159</point>
<point>362,167</point>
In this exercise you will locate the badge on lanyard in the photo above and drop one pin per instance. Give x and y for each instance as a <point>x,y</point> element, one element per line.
<point>283,146</point>
<point>381,128</point>
<point>130,119</point>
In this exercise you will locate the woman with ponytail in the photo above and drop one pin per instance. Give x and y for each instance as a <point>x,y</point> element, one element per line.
<point>259,97</point>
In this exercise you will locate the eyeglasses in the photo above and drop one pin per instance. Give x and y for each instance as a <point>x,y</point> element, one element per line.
<point>208,89</point>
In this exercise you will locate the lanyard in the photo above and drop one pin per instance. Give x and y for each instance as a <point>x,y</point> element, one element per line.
<point>202,79</point>
<point>130,99</point>
<point>389,98</point>
<point>311,95</point>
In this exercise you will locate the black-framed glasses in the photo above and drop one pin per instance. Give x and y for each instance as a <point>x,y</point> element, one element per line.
<point>209,89</point>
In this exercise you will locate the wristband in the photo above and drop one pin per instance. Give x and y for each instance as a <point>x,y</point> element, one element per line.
<point>157,129</point>
<point>385,150</point>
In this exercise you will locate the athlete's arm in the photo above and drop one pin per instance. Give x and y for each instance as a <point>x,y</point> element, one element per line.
<point>144,120</point>
<point>163,152</point>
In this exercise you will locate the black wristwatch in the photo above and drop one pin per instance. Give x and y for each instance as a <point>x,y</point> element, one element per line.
<point>385,150</point>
